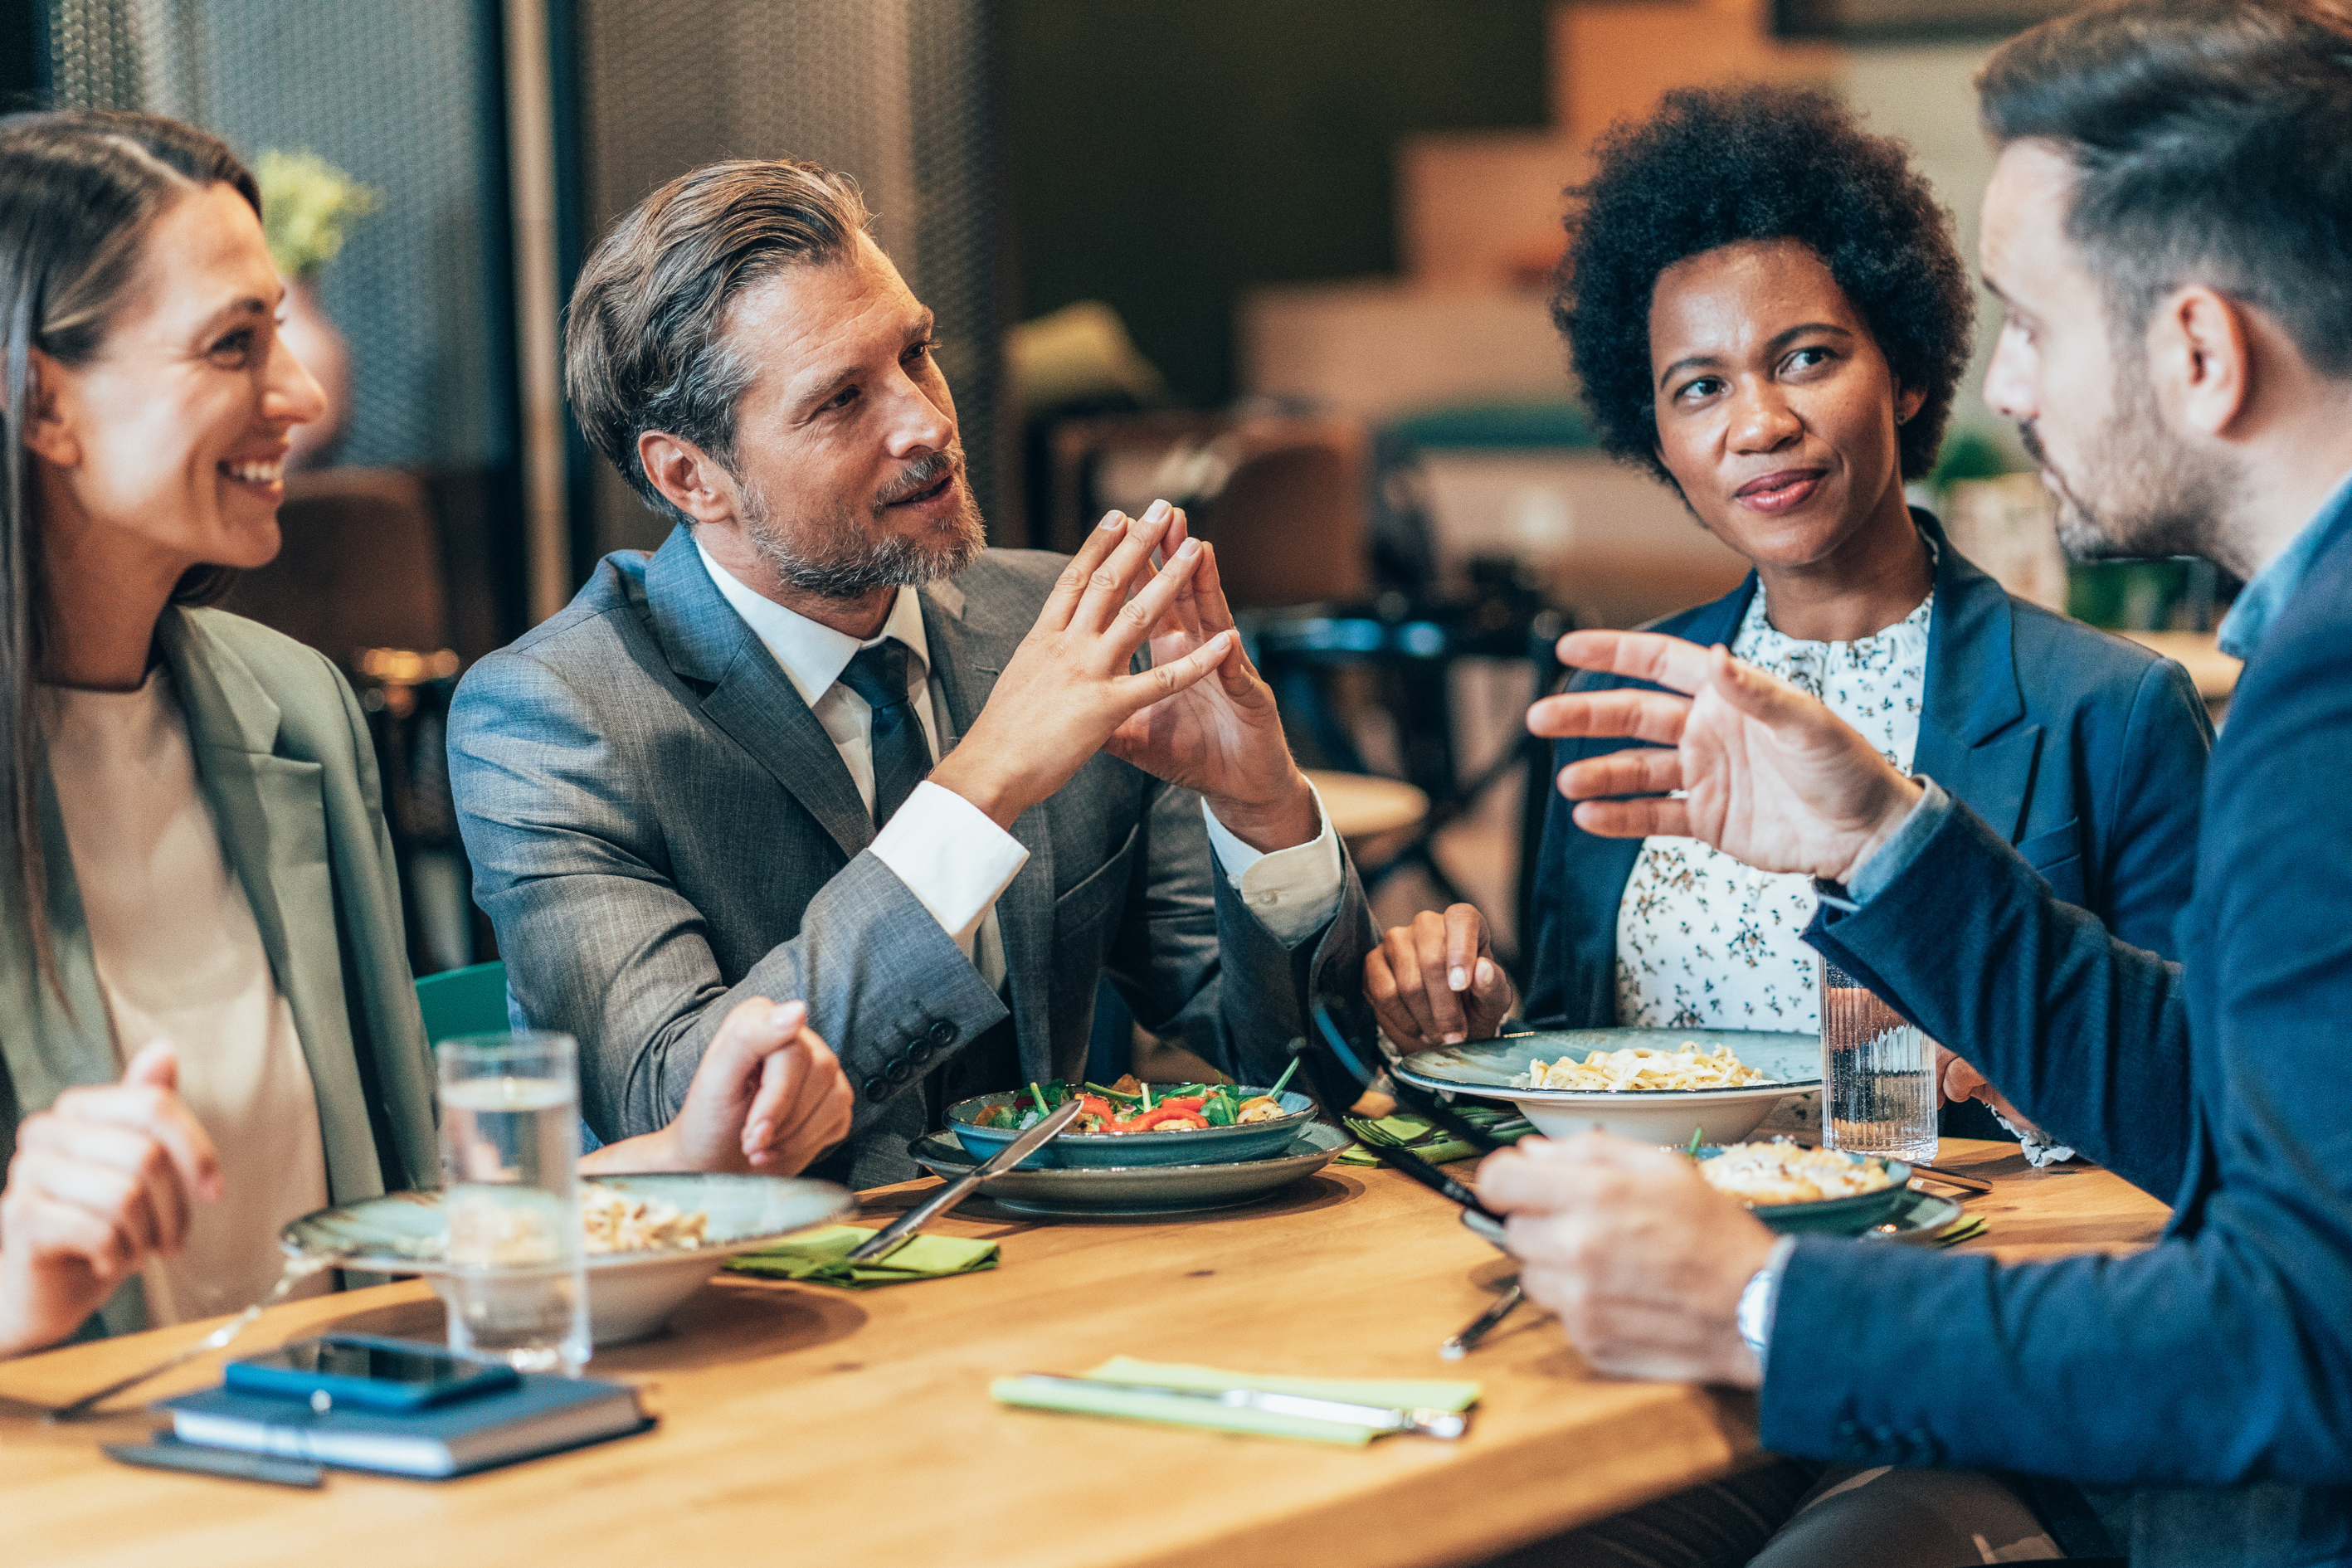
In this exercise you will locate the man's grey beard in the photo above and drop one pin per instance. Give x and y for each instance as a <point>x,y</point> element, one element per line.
<point>2154,496</point>
<point>840,559</point>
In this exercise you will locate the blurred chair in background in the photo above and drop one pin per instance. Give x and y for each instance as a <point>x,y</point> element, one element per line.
<point>362,579</point>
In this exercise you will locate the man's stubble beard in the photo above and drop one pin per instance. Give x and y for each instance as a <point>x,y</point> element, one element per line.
<point>2138,493</point>
<point>838,556</point>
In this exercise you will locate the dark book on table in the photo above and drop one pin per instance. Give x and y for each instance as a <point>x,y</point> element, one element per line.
<point>538,1416</point>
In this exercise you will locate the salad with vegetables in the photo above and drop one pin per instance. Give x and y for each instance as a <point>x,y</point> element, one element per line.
<point>1128,1106</point>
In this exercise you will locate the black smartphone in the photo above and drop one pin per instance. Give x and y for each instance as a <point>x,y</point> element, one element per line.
<point>370,1373</point>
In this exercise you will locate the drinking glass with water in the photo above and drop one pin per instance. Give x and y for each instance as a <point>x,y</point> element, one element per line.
<point>517,1286</point>
<point>1878,1074</point>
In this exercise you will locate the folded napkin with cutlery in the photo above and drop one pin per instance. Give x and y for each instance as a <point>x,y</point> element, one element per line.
<point>1187,1397</point>
<point>1431,1143</point>
<point>821,1257</point>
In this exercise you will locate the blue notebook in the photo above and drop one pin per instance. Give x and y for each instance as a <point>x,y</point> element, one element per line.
<point>544,1414</point>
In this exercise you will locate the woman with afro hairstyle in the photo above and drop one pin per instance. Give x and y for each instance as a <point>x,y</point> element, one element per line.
<point>1767,310</point>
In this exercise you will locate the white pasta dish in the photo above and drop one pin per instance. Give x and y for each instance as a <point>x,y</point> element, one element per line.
<point>1644,1068</point>
<point>624,1221</point>
<point>1781,1172</point>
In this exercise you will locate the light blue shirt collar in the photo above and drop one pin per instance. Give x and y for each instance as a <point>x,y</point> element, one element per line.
<point>2259,602</point>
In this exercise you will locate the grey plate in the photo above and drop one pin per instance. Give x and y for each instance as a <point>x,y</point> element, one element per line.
<point>1923,1218</point>
<point>1488,1066</point>
<point>1138,1189</point>
<point>629,1293</point>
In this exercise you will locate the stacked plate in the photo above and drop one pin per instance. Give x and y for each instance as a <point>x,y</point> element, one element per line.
<point>1138,1173</point>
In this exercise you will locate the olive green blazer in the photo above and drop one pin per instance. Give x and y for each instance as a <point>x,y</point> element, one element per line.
<point>284,759</point>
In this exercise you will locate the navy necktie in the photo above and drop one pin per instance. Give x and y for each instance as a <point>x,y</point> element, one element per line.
<point>901,755</point>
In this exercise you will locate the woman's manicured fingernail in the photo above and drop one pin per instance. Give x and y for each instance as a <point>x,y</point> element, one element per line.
<point>1485,972</point>
<point>1455,1038</point>
<point>1157,511</point>
<point>1112,519</point>
<point>1187,549</point>
<point>1457,979</point>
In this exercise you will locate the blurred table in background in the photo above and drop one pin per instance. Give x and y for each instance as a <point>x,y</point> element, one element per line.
<point>1374,816</point>
<point>2215,672</point>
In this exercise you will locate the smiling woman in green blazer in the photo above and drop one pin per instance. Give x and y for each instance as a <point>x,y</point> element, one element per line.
<point>207,1023</point>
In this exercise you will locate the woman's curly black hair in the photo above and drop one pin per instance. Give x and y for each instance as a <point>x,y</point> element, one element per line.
<point>1717,166</point>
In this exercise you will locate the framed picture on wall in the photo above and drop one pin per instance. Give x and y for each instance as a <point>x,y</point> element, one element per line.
<point>1866,21</point>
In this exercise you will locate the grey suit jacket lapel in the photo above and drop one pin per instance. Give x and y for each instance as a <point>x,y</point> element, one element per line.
<point>272,819</point>
<point>749,697</point>
<point>968,653</point>
<point>1970,741</point>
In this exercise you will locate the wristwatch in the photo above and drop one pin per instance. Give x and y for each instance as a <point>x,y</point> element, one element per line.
<point>1757,1300</point>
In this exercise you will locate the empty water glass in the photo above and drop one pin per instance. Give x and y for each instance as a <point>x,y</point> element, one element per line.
<point>517,1285</point>
<point>1878,1074</point>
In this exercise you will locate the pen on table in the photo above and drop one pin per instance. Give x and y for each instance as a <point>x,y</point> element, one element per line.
<point>1429,1176</point>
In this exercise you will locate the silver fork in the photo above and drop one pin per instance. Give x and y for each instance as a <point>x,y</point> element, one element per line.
<point>296,1270</point>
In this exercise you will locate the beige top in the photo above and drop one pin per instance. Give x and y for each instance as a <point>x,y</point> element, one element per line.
<point>179,958</point>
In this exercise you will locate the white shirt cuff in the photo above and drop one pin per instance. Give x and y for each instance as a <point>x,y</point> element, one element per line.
<point>1294,892</point>
<point>951,856</point>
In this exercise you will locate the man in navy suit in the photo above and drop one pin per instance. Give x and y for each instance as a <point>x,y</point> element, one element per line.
<point>2169,227</point>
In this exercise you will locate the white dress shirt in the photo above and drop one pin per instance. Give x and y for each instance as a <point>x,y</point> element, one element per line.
<point>951,854</point>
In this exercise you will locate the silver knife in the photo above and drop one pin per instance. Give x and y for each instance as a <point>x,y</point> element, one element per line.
<point>888,1239</point>
<point>1446,1424</point>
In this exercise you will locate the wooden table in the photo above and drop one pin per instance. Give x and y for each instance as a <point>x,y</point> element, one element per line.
<point>812,1424</point>
<point>2214,672</point>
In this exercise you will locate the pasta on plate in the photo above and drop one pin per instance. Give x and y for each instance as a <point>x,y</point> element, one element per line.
<point>1645,1068</point>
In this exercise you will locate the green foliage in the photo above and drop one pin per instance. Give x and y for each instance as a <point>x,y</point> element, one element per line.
<point>307,206</point>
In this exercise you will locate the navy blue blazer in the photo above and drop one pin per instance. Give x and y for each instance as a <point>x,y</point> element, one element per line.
<point>2082,750</point>
<point>2222,1356</point>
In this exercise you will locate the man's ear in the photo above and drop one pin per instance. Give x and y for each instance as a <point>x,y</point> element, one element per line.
<point>2201,354</point>
<point>49,429</point>
<point>687,477</point>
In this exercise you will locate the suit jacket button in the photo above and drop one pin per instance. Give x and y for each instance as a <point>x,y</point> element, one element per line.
<point>876,1087</point>
<point>898,1070</point>
<point>920,1051</point>
<point>943,1033</point>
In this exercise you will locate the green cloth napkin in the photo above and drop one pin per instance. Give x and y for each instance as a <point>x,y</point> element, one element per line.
<point>1410,1394</point>
<point>822,1258</point>
<point>1405,1126</point>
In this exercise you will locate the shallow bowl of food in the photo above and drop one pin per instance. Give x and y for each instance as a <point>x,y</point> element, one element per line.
<point>1515,1068</point>
<point>1262,1123</point>
<point>1128,1190</point>
<point>647,1256</point>
<point>1797,1190</point>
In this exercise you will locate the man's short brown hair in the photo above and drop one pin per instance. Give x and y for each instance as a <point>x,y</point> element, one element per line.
<point>644,343</point>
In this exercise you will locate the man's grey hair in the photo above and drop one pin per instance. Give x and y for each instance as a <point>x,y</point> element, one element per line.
<point>645,345</point>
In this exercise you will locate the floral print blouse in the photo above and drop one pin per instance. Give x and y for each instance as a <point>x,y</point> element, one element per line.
<point>1704,942</point>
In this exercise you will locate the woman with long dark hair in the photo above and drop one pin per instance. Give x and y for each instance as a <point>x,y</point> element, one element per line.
<point>206,1018</point>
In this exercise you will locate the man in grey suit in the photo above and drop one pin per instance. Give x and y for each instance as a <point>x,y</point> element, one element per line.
<point>822,744</point>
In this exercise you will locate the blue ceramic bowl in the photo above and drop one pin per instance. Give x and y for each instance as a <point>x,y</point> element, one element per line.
<point>1836,1216</point>
<point>1205,1146</point>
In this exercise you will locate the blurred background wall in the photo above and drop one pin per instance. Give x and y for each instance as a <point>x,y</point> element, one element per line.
<point>1285,261</point>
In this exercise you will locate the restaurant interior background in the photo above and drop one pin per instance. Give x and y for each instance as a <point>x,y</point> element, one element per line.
<point>1283,260</point>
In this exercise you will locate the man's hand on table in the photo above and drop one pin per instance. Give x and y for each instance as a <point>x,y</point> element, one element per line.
<point>768,1096</point>
<point>1222,737</point>
<point>1068,688</point>
<point>1643,1262</point>
<point>1955,1081</point>
<point>1435,981</point>
<point>1773,778</point>
<point>101,1181</point>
